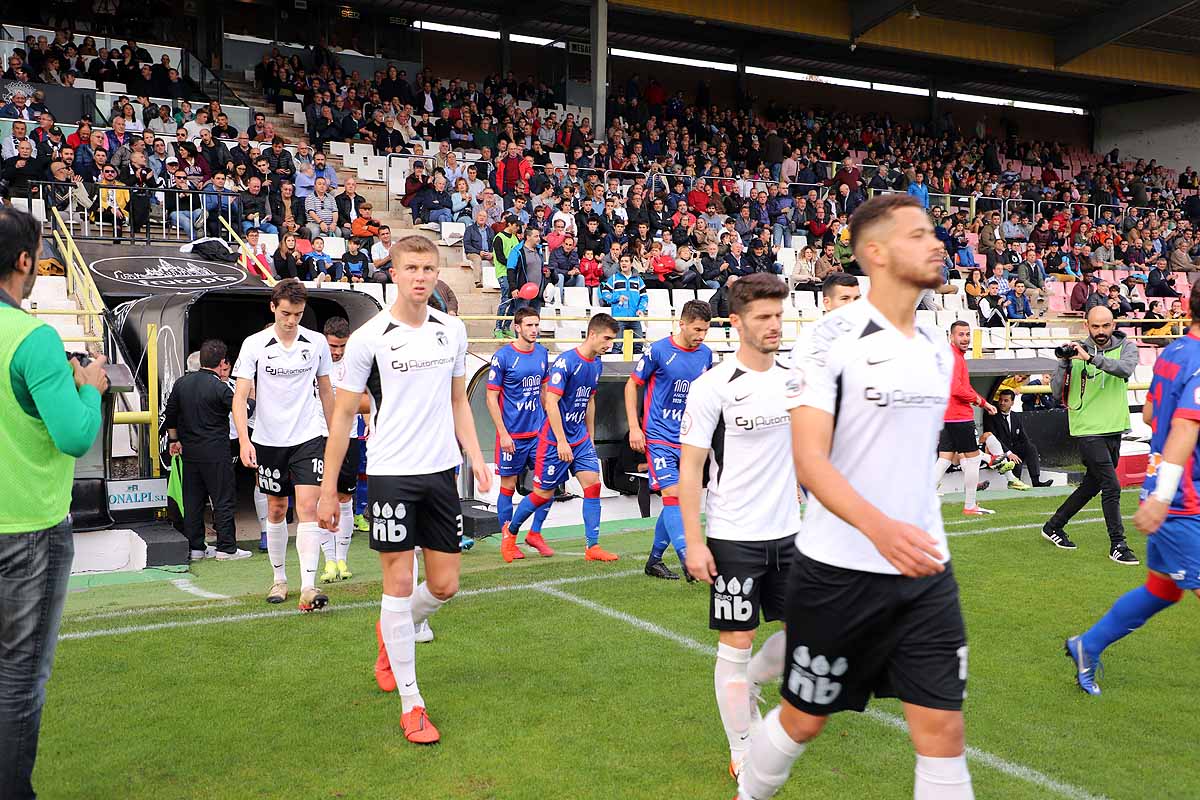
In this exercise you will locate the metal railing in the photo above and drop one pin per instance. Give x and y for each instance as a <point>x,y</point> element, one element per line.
<point>142,214</point>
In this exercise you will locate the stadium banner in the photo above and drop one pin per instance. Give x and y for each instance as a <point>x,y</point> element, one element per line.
<point>68,105</point>
<point>138,493</point>
<point>141,275</point>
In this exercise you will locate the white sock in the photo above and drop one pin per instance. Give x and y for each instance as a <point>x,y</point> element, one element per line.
<point>326,539</point>
<point>345,530</point>
<point>939,470</point>
<point>733,697</point>
<point>767,664</point>
<point>992,445</point>
<point>970,468</point>
<point>277,539</point>
<point>308,545</point>
<point>396,626</point>
<point>769,760</point>
<point>423,603</point>
<point>260,508</point>
<point>942,779</point>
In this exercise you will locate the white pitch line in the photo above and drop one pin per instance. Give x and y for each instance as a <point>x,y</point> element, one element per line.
<point>140,612</point>
<point>186,585</point>
<point>1026,527</point>
<point>983,757</point>
<point>256,615</point>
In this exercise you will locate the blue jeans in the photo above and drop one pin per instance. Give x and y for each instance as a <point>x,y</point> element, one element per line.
<point>628,324</point>
<point>187,221</point>
<point>781,234</point>
<point>563,281</point>
<point>441,215</point>
<point>265,227</point>
<point>34,568</point>
<point>502,309</point>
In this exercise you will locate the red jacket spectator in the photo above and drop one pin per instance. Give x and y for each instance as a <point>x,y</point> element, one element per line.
<point>852,177</point>
<point>688,222</point>
<point>591,271</point>
<point>1079,295</point>
<point>962,395</point>
<point>413,184</point>
<point>663,266</point>
<point>509,171</point>
<point>697,200</point>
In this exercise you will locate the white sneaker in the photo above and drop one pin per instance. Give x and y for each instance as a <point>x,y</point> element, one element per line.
<point>199,555</point>
<point>236,555</point>
<point>424,633</point>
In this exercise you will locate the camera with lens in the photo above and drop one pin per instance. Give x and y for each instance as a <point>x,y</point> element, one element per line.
<point>83,358</point>
<point>1064,351</point>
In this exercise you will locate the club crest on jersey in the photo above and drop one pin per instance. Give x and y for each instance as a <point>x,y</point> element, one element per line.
<point>556,378</point>
<point>441,339</point>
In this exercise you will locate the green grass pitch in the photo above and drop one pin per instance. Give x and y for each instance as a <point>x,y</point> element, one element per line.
<point>556,678</point>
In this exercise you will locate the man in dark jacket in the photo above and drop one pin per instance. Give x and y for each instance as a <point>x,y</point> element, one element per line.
<point>348,203</point>
<point>279,161</point>
<point>256,207</point>
<point>197,423</point>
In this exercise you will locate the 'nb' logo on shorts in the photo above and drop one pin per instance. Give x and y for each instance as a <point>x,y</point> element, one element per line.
<point>809,678</point>
<point>386,525</point>
<point>730,601</point>
<point>268,479</point>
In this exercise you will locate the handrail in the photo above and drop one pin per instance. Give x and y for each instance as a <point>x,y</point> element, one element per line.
<point>223,91</point>
<point>269,279</point>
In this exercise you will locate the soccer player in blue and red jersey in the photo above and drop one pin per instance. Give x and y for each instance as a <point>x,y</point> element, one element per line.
<point>565,445</point>
<point>514,399</point>
<point>1170,509</point>
<point>667,370</point>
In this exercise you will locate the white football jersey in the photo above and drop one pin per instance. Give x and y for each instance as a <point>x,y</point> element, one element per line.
<point>738,414</point>
<point>887,393</point>
<point>287,409</point>
<point>408,372</point>
<point>336,377</point>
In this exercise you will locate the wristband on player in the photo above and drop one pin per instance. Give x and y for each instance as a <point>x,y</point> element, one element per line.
<point>1168,477</point>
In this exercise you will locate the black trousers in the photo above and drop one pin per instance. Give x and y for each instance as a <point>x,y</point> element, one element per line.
<point>1029,458</point>
<point>202,481</point>
<point>1099,455</point>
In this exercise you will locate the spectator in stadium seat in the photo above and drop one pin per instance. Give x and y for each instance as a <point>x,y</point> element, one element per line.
<point>1158,283</point>
<point>1018,307</point>
<point>477,245</point>
<point>804,270</point>
<point>1098,297</point>
<point>365,227</point>
<point>414,184</point>
<point>183,208</point>
<point>286,259</point>
<point>348,204</point>
<point>280,161</point>
<point>625,294</point>
<point>256,208</point>
<point>992,307</point>
<point>320,211</point>
<point>919,190</point>
<point>564,266</point>
<point>760,259</point>
<point>220,201</point>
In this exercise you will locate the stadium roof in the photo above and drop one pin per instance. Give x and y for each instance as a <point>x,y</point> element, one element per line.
<point>648,30</point>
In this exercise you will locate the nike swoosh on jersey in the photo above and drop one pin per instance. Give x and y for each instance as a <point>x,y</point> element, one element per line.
<point>396,347</point>
<point>873,360</point>
<point>743,397</point>
<point>272,356</point>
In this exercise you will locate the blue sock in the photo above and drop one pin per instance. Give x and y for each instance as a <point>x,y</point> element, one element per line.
<point>1128,614</point>
<point>661,539</point>
<point>674,522</point>
<point>539,517</point>
<point>504,507</point>
<point>591,520</point>
<point>526,509</point>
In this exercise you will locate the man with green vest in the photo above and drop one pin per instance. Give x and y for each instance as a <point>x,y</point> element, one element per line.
<point>502,244</point>
<point>51,412</point>
<point>1093,383</point>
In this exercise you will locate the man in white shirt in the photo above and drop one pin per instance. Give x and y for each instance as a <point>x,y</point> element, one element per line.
<point>412,360</point>
<point>8,149</point>
<point>736,413</point>
<point>872,604</point>
<point>281,365</point>
<point>381,256</point>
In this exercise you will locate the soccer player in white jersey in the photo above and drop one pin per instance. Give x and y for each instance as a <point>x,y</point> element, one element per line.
<point>282,364</point>
<point>336,546</point>
<point>872,604</point>
<point>736,412</point>
<point>412,360</point>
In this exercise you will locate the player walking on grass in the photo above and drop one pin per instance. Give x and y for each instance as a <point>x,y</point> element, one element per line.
<point>1170,509</point>
<point>282,364</point>
<point>958,426</point>
<point>336,546</point>
<point>412,359</point>
<point>667,369</point>
<point>735,412</point>
<point>514,401</point>
<point>872,604</point>
<point>566,442</point>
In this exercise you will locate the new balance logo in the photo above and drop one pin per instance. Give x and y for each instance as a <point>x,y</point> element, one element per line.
<point>385,523</point>
<point>808,677</point>
<point>729,599</point>
<point>268,479</point>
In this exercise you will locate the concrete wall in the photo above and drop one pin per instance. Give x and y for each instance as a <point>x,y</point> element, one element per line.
<point>1167,129</point>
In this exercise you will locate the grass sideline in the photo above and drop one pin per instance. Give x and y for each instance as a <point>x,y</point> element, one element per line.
<point>557,692</point>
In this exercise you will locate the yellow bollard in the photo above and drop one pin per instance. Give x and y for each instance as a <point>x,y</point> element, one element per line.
<point>627,344</point>
<point>152,394</point>
<point>977,343</point>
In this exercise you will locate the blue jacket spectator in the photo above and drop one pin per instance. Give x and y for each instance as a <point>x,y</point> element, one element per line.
<point>1018,305</point>
<point>625,295</point>
<point>919,190</point>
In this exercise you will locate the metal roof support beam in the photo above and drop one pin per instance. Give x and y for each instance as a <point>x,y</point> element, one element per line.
<point>1110,25</point>
<point>866,14</point>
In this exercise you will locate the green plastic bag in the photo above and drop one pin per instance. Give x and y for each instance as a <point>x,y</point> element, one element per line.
<point>175,484</point>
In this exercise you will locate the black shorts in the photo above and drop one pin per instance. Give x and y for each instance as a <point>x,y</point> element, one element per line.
<point>408,511</point>
<point>751,579</point>
<point>348,475</point>
<point>958,437</point>
<point>852,634</point>
<point>281,469</point>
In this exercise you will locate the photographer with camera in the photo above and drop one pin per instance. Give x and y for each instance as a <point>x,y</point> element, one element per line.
<point>1092,380</point>
<point>51,412</point>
